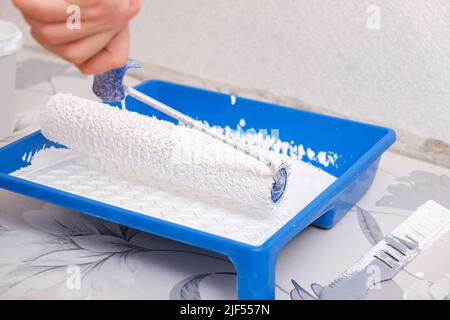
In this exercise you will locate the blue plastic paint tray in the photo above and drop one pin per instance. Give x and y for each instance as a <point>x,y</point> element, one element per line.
<point>255,248</point>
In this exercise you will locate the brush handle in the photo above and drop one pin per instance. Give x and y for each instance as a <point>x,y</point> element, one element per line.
<point>158,105</point>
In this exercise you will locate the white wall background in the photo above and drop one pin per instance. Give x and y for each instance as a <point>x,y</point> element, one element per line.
<point>319,51</point>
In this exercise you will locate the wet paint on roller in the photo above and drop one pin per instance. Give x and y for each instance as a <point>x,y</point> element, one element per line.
<point>149,146</point>
<point>155,147</point>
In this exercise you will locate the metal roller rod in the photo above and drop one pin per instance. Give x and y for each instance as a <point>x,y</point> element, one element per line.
<point>199,126</point>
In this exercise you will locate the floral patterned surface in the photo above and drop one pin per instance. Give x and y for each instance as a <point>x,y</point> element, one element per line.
<point>50,252</point>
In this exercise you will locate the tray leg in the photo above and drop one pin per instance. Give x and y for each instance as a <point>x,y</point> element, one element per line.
<point>255,275</point>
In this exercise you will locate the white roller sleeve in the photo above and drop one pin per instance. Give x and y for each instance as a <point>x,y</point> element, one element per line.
<point>153,147</point>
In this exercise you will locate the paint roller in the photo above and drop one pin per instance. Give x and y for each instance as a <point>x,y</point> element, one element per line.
<point>192,154</point>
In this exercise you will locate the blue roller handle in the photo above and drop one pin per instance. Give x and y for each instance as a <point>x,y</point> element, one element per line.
<point>109,86</point>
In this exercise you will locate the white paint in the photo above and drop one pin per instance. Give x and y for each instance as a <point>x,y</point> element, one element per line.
<point>311,154</point>
<point>114,184</point>
<point>153,147</point>
<point>233,100</point>
<point>264,142</point>
<point>322,158</point>
<point>326,158</point>
<point>30,156</point>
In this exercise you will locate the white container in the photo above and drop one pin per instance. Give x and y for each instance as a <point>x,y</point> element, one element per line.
<point>10,43</point>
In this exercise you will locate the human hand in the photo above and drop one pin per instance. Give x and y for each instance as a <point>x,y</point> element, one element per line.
<point>100,44</point>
